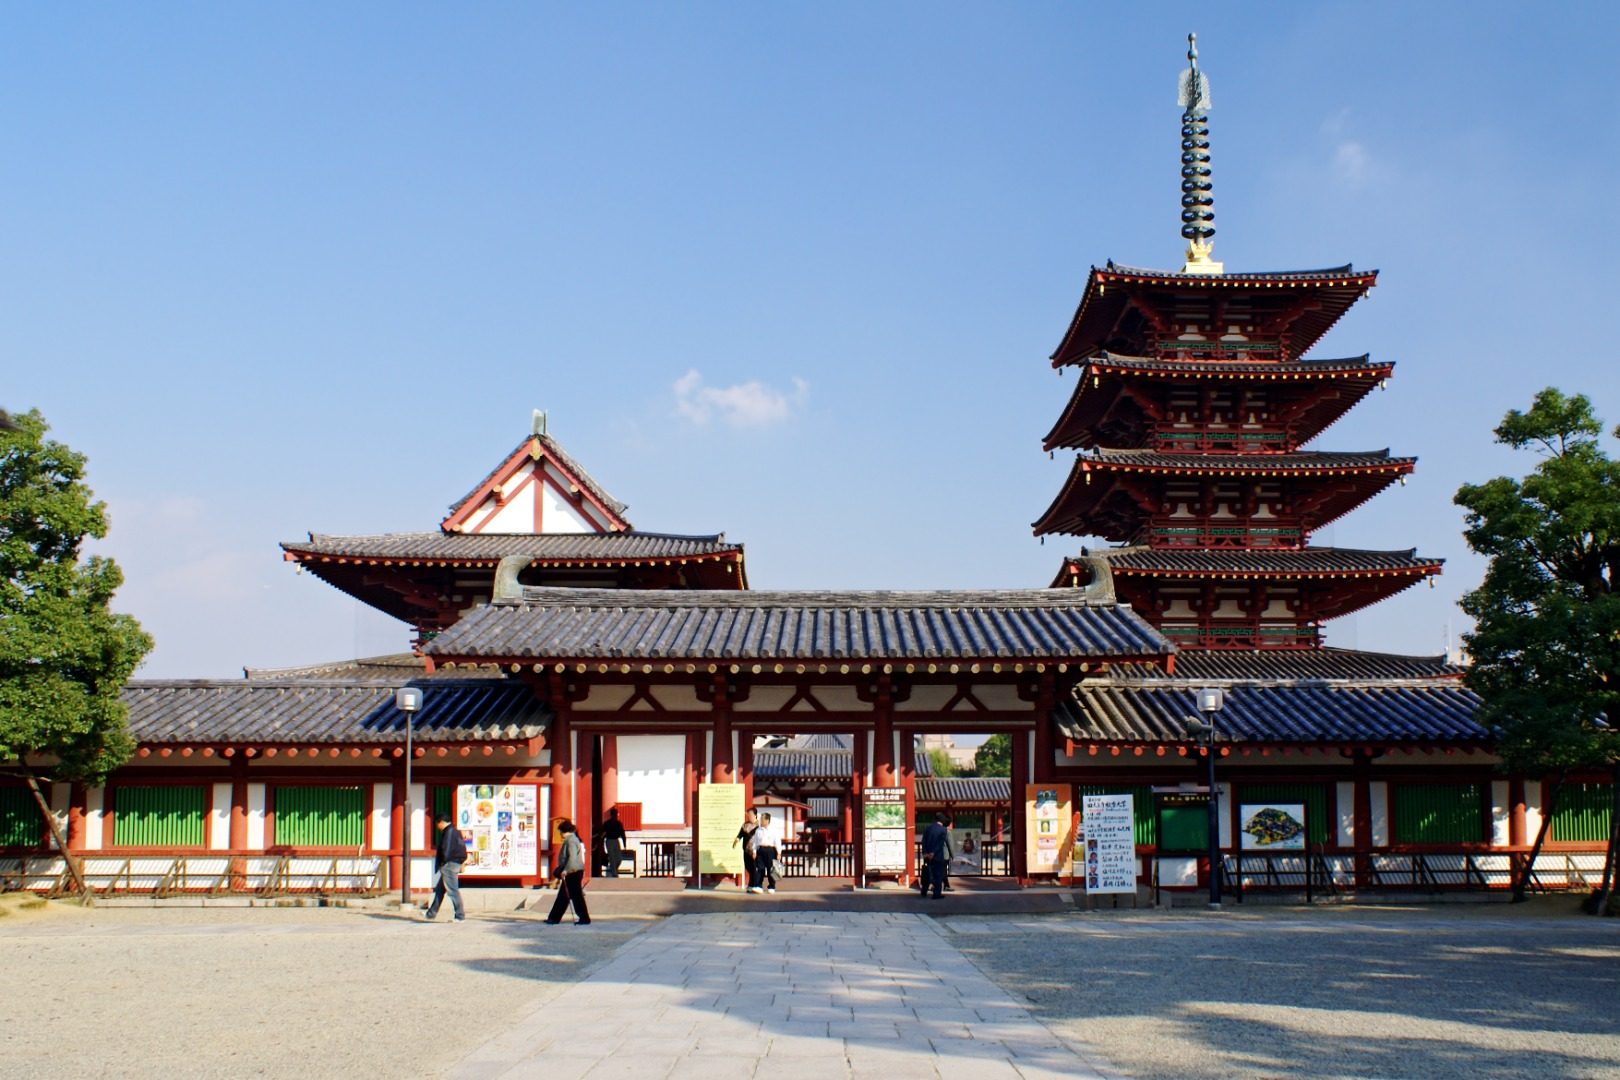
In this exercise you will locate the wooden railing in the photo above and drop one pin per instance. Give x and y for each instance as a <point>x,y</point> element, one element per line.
<point>164,876</point>
<point>832,858</point>
<point>995,860</point>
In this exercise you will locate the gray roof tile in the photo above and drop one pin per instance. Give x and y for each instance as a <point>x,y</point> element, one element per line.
<point>492,547</point>
<point>1036,624</point>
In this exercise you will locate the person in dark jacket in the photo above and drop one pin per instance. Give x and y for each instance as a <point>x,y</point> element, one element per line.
<point>936,845</point>
<point>613,843</point>
<point>448,857</point>
<point>569,873</point>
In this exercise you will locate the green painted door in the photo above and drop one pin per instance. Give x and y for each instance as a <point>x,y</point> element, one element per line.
<point>20,822</point>
<point>1583,813</point>
<point>320,816</point>
<point>169,815</point>
<point>1439,813</point>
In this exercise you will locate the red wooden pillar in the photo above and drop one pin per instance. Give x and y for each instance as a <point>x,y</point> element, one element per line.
<point>908,780</point>
<point>239,821</point>
<point>560,739</point>
<point>397,825</point>
<point>583,786</point>
<point>884,770</point>
<point>77,808</point>
<point>857,786</point>
<point>1361,776</point>
<point>696,764</point>
<point>721,766</point>
<point>610,772</point>
<point>745,766</point>
<point>1020,777</point>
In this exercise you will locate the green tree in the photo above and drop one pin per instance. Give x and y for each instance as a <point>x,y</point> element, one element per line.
<point>1546,641</point>
<point>64,657</point>
<point>939,761</point>
<point>994,757</point>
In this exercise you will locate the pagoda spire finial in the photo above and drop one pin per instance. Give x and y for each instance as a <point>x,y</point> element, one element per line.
<point>1197,202</point>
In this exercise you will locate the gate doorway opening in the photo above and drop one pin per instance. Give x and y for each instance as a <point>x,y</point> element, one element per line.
<point>952,781</point>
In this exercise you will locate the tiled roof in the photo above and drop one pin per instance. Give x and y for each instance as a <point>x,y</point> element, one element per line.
<point>965,789</point>
<point>1268,562</point>
<point>1353,365</point>
<point>1035,624</point>
<point>803,764</point>
<point>328,711</point>
<point>395,668</point>
<point>1384,711</point>
<point>492,547</point>
<point>1292,665</point>
<point>1327,272</point>
<point>1300,461</point>
<point>562,458</point>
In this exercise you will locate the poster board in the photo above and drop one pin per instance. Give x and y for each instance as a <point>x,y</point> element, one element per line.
<point>1183,822</point>
<point>1272,826</point>
<point>502,824</point>
<point>887,832</point>
<point>1049,820</point>
<point>1110,843</point>
<point>719,816</point>
<point>967,851</point>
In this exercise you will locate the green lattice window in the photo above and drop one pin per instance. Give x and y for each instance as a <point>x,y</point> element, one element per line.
<point>1313,796</point>
<point>1583,813</point>
<point>1439,813</point>
<point>20,823</point>
<point>1147,826</point>
<point>320,816</point>
<point>160,816</point>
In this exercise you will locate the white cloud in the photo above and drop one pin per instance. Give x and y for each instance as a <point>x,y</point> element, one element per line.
<point>744,405</point>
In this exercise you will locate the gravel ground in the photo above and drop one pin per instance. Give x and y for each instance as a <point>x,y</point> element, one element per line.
<point>1486,992</point>
<point>287,992</point>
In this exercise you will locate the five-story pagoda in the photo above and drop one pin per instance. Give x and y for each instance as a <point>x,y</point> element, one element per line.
<point>1194,401</point>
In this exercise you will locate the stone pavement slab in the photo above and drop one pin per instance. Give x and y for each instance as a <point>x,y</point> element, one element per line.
<point>780,995</point>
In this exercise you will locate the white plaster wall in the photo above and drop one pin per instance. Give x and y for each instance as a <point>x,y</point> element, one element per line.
<point>61,797</point>
<point>1178,871</point>
<point>419,815</point>
<point>652,771</point>
<point>1346,796</point>
<point>219,819</point>
<point>1379,798</point>
<point>517,516</point>
<point>95,822</point>
<point>1501,813</point>
<point>255,817</point>
<point>382,814</point>
<point>1532,810</point>
<point>558,516</point>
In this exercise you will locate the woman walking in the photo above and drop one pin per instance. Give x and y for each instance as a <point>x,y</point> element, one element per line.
<point>745,837</point>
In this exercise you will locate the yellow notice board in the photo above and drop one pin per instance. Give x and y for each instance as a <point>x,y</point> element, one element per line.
<point>720,815</point>
<point>1048,828</point>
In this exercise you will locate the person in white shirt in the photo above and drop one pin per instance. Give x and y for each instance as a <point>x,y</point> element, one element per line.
<point>766,842</point>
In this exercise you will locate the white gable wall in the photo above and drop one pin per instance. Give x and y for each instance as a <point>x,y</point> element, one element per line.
<point>652,772</point>
<point>557,514</point>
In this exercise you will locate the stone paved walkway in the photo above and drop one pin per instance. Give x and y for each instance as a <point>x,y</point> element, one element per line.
<point>782,996</point>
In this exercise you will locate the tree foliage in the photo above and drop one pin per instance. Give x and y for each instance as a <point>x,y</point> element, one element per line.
<point>1546,642</point>
<point>940,763</point>
<point>64,657</point>
<point>994,757</point>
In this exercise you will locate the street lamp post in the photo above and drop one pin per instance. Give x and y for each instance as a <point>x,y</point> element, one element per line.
<point>408,700</point>
<point>1210,701</point>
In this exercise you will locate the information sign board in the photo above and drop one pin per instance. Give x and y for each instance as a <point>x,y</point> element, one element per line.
<point>501,824</point>
<point>720,815</point>
<point>1110,824</point>
<point>1272,826</point>
<point>1049,817</point>
<point>888,833</point>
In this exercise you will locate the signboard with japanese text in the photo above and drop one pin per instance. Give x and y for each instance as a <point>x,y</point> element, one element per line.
<point>888,833</point>
<point>502,825</point>
<point>720,815</point>
<point>1049,819</point>
<point>1110,843</point>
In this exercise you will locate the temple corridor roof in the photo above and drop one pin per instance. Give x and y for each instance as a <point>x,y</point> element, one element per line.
<point>1018,625</point>
<point>1266,562</point>
<point>492,547</point>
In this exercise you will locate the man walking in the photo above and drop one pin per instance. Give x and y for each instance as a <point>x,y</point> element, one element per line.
<point>936,845</point>
<point>448,856</point>
<point>613,838</point>
<point>570,875</point>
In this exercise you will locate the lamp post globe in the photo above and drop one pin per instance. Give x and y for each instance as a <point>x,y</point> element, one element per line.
<point>408,700</point>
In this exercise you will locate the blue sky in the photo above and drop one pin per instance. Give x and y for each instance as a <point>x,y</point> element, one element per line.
<point>281,268</point>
